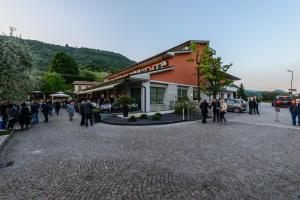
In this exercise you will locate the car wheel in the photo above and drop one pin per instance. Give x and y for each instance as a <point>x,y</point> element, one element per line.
<point>236,110</point>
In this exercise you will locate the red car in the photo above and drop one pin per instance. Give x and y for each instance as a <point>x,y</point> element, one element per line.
<point>282,101</point>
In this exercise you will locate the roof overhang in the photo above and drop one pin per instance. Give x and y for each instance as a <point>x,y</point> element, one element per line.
<point>158,57</point>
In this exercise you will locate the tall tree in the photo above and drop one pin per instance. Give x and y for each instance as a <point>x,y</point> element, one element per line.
<point>66,66</point>
<point>52,82</point>
<point>86,75</point>
<point>201,55</point>
<point>241,92</point>
<point>17,77</point>
<point>212,69</point>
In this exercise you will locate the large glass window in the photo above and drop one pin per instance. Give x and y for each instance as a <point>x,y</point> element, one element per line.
<point>195,94</point>
<point>157,95</point>
<point>182,93</point>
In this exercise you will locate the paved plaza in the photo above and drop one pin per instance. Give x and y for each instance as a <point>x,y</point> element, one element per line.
<point>240,160</point>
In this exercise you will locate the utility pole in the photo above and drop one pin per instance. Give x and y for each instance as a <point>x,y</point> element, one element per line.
<point>12,30</point>
<point>291,89</point>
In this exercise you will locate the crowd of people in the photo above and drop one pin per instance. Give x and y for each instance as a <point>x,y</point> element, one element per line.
<point>219,110</point>
<point>295,111</point>
<point>27,113</point>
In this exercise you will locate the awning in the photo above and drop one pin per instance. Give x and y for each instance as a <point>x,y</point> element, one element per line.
<point>59,95</point>
<point>105,87</point>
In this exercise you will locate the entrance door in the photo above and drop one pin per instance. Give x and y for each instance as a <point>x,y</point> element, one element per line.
<point>136,96</point>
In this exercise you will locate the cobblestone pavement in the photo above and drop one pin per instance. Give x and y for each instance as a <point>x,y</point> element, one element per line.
<point>62,160</point>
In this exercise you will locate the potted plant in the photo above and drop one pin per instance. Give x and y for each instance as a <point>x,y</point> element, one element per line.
<point>96,113</point>
<point>124,101</point>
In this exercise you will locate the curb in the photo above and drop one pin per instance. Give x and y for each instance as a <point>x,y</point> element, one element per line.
<point>153,124</point>
<point>6,139</point>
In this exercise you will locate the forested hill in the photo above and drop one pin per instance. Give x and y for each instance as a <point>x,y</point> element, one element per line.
<point>43,54</point>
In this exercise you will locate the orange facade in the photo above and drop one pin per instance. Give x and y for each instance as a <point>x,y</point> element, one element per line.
<point>184,72</point>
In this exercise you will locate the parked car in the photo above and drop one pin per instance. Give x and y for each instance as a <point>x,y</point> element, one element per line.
<point>282,101</point>
<point>236,105</point>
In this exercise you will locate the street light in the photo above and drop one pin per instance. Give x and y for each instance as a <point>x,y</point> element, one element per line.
<point>291,90</point>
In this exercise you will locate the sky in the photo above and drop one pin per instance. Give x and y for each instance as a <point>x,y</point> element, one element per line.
<point>260,38</point>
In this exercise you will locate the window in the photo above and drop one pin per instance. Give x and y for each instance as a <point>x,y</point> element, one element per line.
<point>79,87</point>
<point>157,95</point>
<point>182,93</point>
<point>195,94</point>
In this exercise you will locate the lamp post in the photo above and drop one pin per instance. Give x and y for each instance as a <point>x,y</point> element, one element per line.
<point>291,89</point>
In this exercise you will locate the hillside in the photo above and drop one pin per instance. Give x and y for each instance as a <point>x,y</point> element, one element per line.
<point>43,54</point>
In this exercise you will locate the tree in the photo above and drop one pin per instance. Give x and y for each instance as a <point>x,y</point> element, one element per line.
<point>66,66</point>
<point>212,69</point>
<point>91,67</point>
<point>52,82</point>
<point>17,73</point>
<point>241,92</point>
<point>86,75</point>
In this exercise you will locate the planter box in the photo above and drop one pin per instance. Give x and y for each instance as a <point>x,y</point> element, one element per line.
<point>97,117</point>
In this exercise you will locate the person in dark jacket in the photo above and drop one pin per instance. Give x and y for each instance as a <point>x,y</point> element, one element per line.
<point>204,110</point>
<point>102,98</point>
<point>81,111</point>
<point>255,105</point>
<point>12,114</point>
<point>298,112</point>
<point>216,110</point>
<point>24,117</point>
<point>50,108</point>
<point>45,111</point>
<point>3,113</point>
<point>88,112</point>
<point>35,112</point>
<point>250,103</point>
<point>57,107</point>
<point>293,110</point>
<point>112,99</point>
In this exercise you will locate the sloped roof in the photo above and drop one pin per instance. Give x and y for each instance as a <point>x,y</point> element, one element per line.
<point>85,83</point>
<point>176,48</point>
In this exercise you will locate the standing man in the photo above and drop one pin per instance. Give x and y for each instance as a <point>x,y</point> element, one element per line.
<point>35,112</point>
<point>216,109</point>
<point>223,110</point>
<point>102,97</point>
<point>24,116</point>
<point>88,112</point>
<point>71,110</point>
<point>82,113</point>
<point>255,105</point>
<point>57,107</point>
<point>204,110</point>
<point>45,111</point>
<point>50,108</point>
<point>294,112</point>
<point>250,106</point>
<point>298,112</point>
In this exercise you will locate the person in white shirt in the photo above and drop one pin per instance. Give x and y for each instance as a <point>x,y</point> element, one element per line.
<point>223,110</point>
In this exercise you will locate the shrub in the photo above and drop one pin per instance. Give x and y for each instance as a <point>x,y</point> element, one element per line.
<point>158,114</point>
<point>143,116</point>
<point>156,117</point>
<point>132,118</point>
<point>124,100</point>
<point>96,110</point>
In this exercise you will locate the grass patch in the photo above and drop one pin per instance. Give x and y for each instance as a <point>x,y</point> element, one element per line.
<point>6,132</point>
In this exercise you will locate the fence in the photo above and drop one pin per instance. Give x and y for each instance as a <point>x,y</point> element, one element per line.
<point>188,109</point>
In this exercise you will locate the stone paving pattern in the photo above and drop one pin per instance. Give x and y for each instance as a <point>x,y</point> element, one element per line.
<point>189,160</point>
